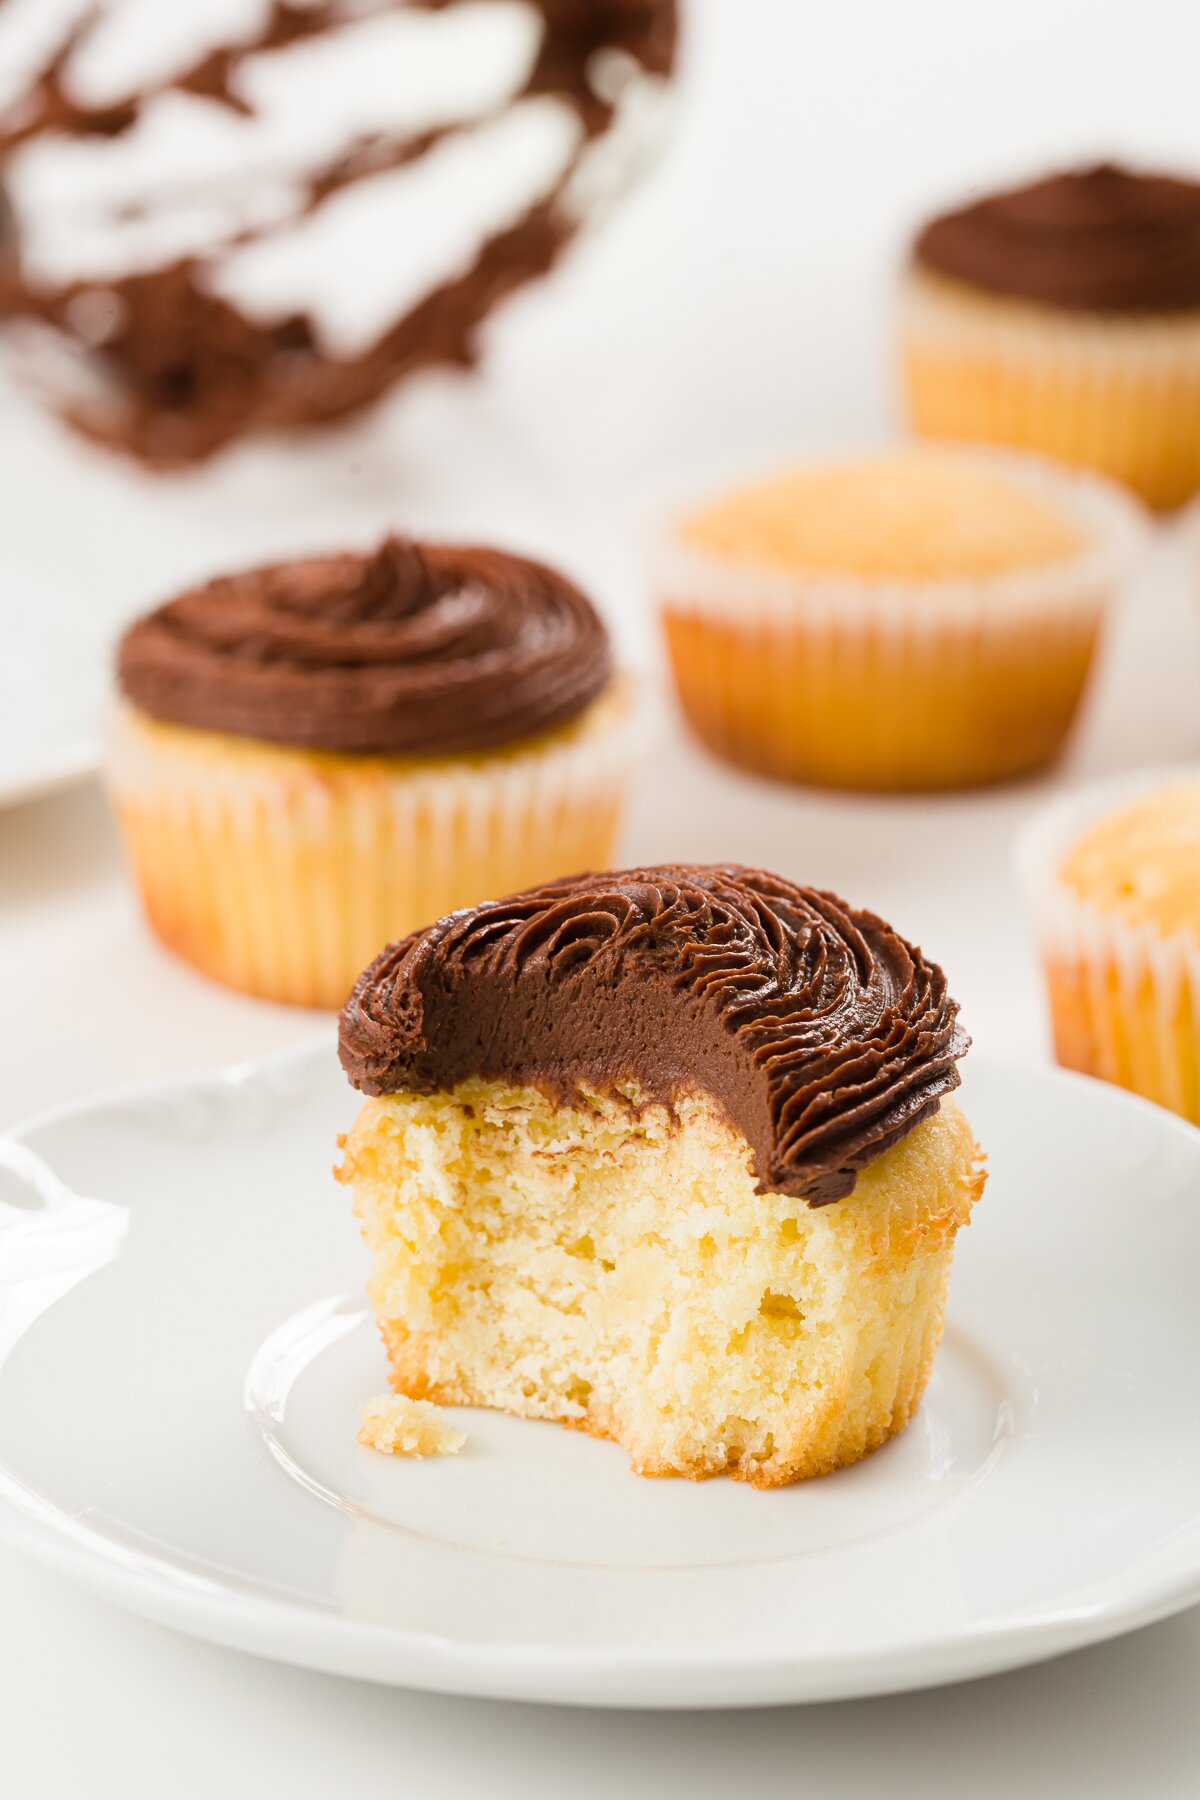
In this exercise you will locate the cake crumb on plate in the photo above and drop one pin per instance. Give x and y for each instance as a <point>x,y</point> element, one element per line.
<point>397,1426</point>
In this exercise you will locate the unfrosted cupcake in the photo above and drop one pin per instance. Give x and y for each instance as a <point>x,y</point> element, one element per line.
<point>1065,317</point>
<point>920,619</point>
<point>667,1155</point>
<point>1113,882</point>
<point>313,757</point>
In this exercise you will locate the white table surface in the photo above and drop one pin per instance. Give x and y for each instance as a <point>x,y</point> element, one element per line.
<point>734,310</point>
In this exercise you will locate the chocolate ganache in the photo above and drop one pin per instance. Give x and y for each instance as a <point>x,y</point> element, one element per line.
<point>1101,239</point>
<point>429,649</point>
<point>822,1034</point>
<point>167,217</point>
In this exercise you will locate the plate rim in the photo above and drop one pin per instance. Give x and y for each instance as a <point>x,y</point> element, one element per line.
<point>289,1629</point>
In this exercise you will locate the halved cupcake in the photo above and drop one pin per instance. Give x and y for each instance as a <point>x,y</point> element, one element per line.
<point>667,1155</point>
<point>1064,316</point>
<point>315,757</point>
<point>912,620</point>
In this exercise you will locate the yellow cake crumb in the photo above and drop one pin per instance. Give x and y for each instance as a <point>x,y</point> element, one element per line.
<point>911,514</point>
<point>1142,863</point>
<point>397,1426</point>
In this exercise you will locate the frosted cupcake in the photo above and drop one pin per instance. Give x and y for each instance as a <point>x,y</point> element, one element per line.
<point>667,1155</point>
<point>1065,317</point>
<point>1113,882</point>
<point>921,619</point>
<point>313,757</point>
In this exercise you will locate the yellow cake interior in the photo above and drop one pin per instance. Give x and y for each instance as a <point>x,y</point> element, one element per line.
<point>1141,864</point>
<point>913,514</point>
<point>609,1264</point>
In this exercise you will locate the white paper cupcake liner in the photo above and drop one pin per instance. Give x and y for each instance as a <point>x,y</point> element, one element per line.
<point>1117,394</point>
<point>473,788</point>
<point>284,874</point>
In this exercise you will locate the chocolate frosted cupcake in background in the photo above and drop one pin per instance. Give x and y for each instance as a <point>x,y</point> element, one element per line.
<point>227,225</point>
<point>1065,316</point>
<point>670,1155</point>
<point>315,757</point>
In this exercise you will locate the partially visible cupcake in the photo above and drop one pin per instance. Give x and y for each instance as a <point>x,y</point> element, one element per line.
<point>1113,884</point>
<point>313,757</point>
<point>916,620</point>
<point>1065,317</point>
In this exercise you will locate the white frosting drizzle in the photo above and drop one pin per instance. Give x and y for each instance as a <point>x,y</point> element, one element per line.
<point>192,174</point>
<point>405,232</point>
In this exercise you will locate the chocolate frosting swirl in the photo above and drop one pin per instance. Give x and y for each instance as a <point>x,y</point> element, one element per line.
<point>822,1034</point>
<point>431,649</point>
<point>1101,239</point>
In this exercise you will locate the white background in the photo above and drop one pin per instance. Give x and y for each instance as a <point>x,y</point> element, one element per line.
<point>735,310</point>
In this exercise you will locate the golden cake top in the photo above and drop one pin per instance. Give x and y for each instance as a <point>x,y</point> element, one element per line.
<point>1142,863</point>
<point>907,514</point>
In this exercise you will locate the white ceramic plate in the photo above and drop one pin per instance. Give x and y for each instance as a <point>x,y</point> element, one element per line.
<point>183,1348</point>
<point>51,694</point>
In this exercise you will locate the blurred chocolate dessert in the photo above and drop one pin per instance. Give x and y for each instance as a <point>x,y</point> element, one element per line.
<point>263,214</point>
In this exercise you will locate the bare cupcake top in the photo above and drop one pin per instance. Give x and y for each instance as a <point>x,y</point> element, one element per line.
<point>265,214</point>
<point>1103,239</point>
<point>822,1033</point>
<point>423,649</point>
<point>915,514</point>
<point>1140,863</point>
